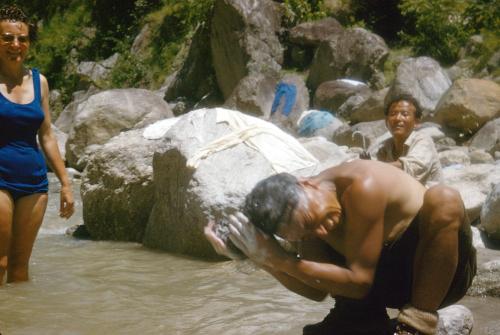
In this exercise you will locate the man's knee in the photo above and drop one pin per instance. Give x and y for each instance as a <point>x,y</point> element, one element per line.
<point>443,208</point>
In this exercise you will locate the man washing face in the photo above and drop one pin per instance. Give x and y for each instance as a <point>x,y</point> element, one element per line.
<point>369,235</point>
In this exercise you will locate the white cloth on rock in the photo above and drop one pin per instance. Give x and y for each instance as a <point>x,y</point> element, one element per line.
<point>283,151</point>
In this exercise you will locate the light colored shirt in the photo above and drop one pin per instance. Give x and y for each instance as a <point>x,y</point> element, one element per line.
<point>419,158</point>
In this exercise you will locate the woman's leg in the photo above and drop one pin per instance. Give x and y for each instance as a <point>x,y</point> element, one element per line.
<point>28,215</point>
<point>6,214</point>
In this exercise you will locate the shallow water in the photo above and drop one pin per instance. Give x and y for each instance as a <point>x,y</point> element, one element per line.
<point>88,287</point>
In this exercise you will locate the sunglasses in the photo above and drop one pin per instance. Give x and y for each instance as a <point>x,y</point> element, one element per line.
<point>9,39</point>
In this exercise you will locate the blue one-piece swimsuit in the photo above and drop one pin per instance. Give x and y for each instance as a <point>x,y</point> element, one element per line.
<point>22,166</point>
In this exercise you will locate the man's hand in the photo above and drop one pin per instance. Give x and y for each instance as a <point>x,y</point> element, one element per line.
<point>258,246</point>
<point>218,245</point>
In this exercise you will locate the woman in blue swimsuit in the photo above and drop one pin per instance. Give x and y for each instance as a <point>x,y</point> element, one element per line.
<point>24,113</point>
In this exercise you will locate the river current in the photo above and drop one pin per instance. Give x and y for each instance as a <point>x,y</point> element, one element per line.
<point>82,287</point>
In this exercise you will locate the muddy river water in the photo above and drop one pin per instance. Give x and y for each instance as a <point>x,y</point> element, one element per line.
<point>88,287</point>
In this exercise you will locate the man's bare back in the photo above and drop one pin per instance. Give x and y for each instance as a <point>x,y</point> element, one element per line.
<point>401,194</point>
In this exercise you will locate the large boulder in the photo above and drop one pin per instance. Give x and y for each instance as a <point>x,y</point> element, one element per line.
<point>208,172</point>
<point>362,135</point>
<point>315,32</point>
<point>94,73</point>
<point>330,95</point>
<point>423,79</point>
<point>356,54</point>
<point>196,78</point>
<point>468,105</point>
<point>490,214</point>
<point>106,114</point>
<point>244,42</point>
<point>66,119</point>
<point>371,109</point>
<point>453,156</point>
<point>117,187</point>
<point>254,94</point>
<point>488,137</point>
<point>474,182</point>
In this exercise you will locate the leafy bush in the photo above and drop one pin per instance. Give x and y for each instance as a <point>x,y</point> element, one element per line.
<point>439,28</point>
<point>383,17</point>
<point>298,11</point>
<point>57,38</point>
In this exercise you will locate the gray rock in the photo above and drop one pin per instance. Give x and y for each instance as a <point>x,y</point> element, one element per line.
<point>66,119</point>
<point>355,54</point>
<point>371,109</point>
<point>244,43</point>
<point>455,320</point>
<point>423,79</point>
<point>490,214</point>
<point>324,150</point>
<point>488,137</point>
<point>454,156</point>
<point>55,103</point>
<point>196,78</point>
<point>117,187</point>
<point>468,105</point>
<point>315,32</point>
<point>433,130</point>
<point>254,94</point>
<point>186,198</point>
<point>106,114</point>
<point>474,182</point>
<point>93,73</point>
<point>142,40</point>
<point>330,95</point>
<point>361,135</point>
<point>487,280</point>
<point>478,156</point>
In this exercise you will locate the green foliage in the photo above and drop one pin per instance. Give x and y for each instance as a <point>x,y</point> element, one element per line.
<point>117,22</point>
<point>172,25</point>
<point>62,33</point>
<point>129,71</point>
<point>439,27</point>
<point>298,11</point>
<point>483,15</point>
<point>381,17</point>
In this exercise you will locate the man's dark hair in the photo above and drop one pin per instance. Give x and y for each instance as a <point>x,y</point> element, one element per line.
<point>272,201</point>
<point>403,97</point>
<point>14,13</point>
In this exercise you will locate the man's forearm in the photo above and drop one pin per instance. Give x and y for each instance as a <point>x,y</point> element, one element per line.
<point>296,285</point>
<point>324,277</point>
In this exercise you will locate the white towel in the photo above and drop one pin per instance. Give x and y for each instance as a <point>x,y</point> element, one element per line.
<point>284,152</point>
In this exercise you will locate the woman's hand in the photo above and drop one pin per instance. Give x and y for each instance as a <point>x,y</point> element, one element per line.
<point>67,204</point>
<point>218,245</point>
<point>259,247</point>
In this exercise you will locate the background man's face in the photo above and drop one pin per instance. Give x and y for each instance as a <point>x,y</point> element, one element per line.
<point>401,119</point>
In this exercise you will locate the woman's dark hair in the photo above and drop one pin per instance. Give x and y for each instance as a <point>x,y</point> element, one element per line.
<point>14,13</point>
<point>403,97</point>
<point>272,201</point>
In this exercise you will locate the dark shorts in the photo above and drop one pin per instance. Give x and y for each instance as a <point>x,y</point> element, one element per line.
<point>18,193</point>
<point>394,275</point>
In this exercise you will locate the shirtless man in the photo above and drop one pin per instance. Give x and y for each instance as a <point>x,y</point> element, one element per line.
<point>369,235</point>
